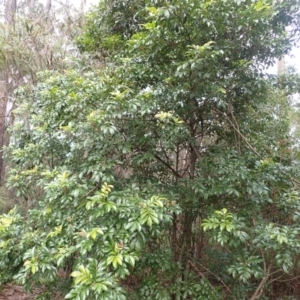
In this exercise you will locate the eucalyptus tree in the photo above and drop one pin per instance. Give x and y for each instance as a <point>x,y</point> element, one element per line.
<point>33,38</point>
<point>165,170</point>
<point>10,11</point>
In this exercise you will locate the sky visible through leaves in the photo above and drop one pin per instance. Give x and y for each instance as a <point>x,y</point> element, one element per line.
<point>292,60</point>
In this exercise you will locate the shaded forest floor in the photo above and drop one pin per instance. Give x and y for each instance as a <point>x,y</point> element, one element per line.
<point>14,292</point>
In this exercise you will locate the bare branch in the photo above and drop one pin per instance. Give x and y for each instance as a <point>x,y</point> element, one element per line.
<point>259,290</point>
<point>168,166</point>
<point>224,284</point>
<point>236,128</point>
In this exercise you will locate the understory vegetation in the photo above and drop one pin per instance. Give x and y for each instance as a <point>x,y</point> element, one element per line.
<point>160,161</point>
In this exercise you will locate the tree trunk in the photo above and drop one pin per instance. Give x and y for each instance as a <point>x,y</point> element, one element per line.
<point>48,7</point>
<point>3,108</point>
<point>10,11</point>
<point>31,6</point>
<point>281,66</point>
<point>281,60</point>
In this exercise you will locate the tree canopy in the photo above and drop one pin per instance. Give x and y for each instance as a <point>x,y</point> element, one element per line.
<point>165,167</point>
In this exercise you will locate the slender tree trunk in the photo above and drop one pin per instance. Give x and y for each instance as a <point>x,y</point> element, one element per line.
<point>83,6</point>
<point>281,60</point>
<point>281,66</point>
<point>10,12</point>
<point>3,139</point>
<point>48,7</point>
<point>31,6</point>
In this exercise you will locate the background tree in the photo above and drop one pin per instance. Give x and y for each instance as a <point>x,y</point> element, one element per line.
<point>10,11</point>
<point>32,39</point>
<point>168,159</point>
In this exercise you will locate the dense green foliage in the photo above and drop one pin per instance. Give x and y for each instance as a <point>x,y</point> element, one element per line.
<point>168,172</point>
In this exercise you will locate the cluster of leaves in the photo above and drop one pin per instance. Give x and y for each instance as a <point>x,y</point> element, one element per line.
<point>80,223</point>
<point>179,127</point>
<point>97,243</point>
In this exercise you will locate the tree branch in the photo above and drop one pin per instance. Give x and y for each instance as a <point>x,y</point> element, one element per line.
<point>168,166</point>
<point>259,290</point>
<point>235,127</point>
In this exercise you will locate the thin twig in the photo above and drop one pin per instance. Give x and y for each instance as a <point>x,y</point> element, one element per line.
<point>259,290</point>
<point>239,132</point>
<point>168,166</point>
<point>224,284</point>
